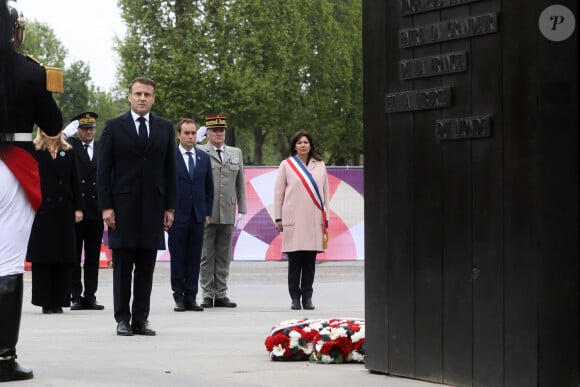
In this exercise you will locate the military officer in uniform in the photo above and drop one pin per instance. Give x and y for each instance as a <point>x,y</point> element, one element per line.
<point>229,195</point>
<point>89,232</point>
<point>25,100</point>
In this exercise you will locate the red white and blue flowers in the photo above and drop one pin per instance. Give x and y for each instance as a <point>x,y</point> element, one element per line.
<point>323,341</point>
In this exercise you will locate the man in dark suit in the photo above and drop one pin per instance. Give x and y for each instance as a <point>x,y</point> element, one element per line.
<point>89,232</point>
<point>137,189</point>
<point>194,205</point>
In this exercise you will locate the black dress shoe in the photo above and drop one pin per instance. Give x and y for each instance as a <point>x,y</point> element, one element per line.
<point>307,304</point>
<point>296,304</point>
<point>57,309</point>
<point>143,329</point>
<point>77,304</point>
<point>47,310</point>
<point>179,306</point>
<point>91,305</point>
<point>224,303</point>
<point>11,370</point>
<point>192,305</point>
<point>207,303</point>
<point>21,373</point>
<point>124,329</point>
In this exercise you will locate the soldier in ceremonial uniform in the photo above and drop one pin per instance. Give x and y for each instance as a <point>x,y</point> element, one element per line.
<point>89,232</point>
<point>25,100</point>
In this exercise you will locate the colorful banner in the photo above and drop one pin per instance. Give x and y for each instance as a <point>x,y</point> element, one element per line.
<point>258,240</point>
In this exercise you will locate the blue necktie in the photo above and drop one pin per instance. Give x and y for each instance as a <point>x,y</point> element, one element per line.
<point>190,164</point>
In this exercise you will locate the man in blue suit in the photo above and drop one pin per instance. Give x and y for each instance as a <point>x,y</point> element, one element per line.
<point>194,206</point>
<point>137,191</point>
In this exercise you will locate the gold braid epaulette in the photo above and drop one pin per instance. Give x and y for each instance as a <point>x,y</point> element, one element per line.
<point>54,77</point>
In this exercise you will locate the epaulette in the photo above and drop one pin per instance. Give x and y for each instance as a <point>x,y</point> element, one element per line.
<point>33,59</point>
<point>54,77</point>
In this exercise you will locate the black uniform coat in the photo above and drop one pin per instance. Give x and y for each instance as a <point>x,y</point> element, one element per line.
<point>87,170</point>
<point>53,235</point>
<point>32,104</point>
<point>138,182</point>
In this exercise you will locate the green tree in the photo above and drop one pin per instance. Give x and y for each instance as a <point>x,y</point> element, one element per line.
<point>273,67</point>
<point>163,42</point>
<point>106,105</point>
<point>333,79</point>
<point>42,43</point>
<point>77,93</point>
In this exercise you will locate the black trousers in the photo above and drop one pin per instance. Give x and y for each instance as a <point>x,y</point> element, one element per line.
<point>51,284</point>
<point>301,267</point>
<point>142,262</point>
<point>90,235</point>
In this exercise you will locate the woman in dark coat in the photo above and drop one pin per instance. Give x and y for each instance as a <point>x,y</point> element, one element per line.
<point>51,247</point>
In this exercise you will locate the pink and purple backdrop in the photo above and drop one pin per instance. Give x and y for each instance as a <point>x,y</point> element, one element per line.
<point>258,240</point>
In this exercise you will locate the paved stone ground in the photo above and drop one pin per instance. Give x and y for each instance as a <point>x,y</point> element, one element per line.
<point>217,347</point>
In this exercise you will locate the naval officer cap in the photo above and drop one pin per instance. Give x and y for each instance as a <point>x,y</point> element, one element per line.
<point>86,120</point>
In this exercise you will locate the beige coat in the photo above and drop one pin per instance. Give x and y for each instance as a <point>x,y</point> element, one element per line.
<point>229,185</point>
<point>301,219</point>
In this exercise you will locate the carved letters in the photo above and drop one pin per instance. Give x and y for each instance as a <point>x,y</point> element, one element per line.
<point>460,128</point>
<point>418,99</point>
<point>453,62</point>
<point>448,30</point>
<point>410,7</point>
<point>438,65</point>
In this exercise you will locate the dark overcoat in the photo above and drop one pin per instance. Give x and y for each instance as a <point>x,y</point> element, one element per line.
<point>138,181</point>
<point>52,238</point>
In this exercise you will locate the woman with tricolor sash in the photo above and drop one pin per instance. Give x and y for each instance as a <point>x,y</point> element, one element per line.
<point>301,213</point>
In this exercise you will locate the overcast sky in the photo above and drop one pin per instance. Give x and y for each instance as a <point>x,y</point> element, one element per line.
<point>86,29</point>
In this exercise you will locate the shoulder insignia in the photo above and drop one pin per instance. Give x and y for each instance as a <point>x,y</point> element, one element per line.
<point>54,76</point>
<point>54,80</point>
<point>34,59</point>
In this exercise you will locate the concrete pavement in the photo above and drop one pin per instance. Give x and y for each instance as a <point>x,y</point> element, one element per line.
<point>216,347</point>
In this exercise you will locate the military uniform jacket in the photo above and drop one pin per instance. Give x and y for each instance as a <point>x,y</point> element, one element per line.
<point>53,235</point>
<point>228,182</point>
<point>32,104</point>
<point>87,173</point>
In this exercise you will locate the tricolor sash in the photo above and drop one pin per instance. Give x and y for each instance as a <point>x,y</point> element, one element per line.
<point>308,181</point>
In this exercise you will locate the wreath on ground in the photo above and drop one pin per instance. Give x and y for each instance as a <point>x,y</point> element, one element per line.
<point>331,341</point>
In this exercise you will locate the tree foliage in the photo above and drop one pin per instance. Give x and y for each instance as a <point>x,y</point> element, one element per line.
<point>42,43</point>
<point>273,67</point>
<point>79,93</point>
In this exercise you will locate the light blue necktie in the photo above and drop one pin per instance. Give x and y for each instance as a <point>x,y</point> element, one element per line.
<point>190,164</point>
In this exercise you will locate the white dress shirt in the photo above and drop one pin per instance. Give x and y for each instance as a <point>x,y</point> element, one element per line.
<point>186,156</point>
<point>135,117</point>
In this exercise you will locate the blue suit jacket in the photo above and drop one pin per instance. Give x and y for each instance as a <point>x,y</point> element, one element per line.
<point>194,196</point>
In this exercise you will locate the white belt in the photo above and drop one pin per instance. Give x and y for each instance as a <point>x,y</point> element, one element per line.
<point>22,137</point>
